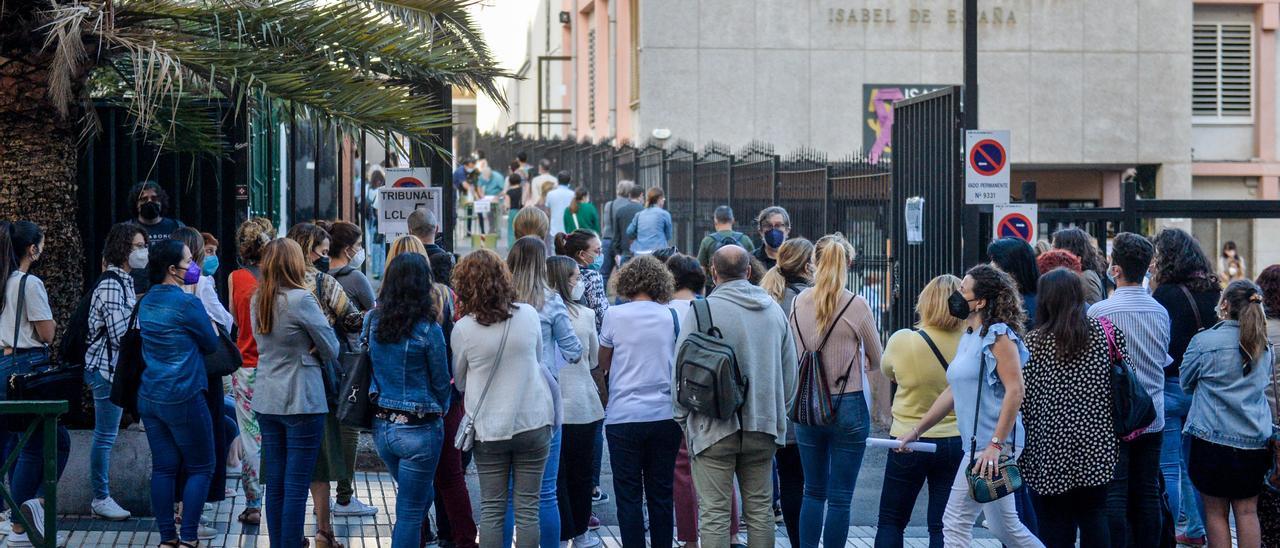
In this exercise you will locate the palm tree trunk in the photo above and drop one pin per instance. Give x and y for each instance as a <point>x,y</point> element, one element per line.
<point>38,164</point>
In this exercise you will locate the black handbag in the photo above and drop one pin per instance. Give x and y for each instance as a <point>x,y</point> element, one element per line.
<point>355,406</point>
<point>48,381</point>
<point>1132,409</point>
<point>226,359</point>
<point>129,367</point>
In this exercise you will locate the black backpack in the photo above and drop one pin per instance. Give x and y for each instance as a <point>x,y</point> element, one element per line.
<point>75,342</point>
<point>709,381</point>
<point>719,240</point>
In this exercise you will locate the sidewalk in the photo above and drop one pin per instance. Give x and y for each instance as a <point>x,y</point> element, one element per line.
<point>368,532</point>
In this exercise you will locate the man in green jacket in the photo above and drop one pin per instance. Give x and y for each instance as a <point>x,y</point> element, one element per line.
<point>723,235</point>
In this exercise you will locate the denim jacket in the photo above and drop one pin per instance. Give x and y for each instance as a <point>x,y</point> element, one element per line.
<point>1228,406</point>
<point>411,375</point>
<point>176,332</point>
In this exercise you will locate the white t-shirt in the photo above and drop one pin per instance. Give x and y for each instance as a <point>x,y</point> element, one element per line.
<point>37,309</point>
<point>642,335</point>
<point>559,200</point>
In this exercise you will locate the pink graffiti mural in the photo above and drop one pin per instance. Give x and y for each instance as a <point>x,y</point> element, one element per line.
<point>882,101</point>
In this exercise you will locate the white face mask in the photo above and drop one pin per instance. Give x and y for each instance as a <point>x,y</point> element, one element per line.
<point>138,259</point>
<point>358,259</point>
<point>578,289</point>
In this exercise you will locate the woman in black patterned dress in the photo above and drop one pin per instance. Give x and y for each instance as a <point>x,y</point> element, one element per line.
<point>1071,448</point>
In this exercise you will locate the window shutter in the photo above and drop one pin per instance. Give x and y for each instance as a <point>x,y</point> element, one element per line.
<point>1222,70</point>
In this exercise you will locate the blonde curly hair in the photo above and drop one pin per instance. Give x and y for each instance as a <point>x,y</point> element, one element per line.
<point>252,237</point>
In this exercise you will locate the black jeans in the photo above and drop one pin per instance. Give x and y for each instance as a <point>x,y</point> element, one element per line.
<point>574,483</point>
<point>1133,496</point>
<point>791,486</point>
<point>904,475</point>
<point>643,456</point>
<point>1060,516</point>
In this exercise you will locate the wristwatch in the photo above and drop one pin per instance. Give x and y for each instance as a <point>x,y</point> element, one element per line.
<point>995,440</point>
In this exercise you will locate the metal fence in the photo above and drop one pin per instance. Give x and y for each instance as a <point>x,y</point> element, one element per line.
<point>850,194</point>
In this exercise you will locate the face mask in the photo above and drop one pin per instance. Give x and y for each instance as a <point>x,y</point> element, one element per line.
<point>210,265</point>
<point>149,211</point>
<point>358,259</point>
<point>958,306</point>
<point>138,259</point>
<point>192,275</point>
<point>578,289</point>
<point>599,262</point>
<point>774,238</point>
<point>322,264</point>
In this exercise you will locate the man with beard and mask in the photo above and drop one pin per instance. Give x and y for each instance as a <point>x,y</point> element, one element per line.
<point>774,225</point>
<point>149,204</point>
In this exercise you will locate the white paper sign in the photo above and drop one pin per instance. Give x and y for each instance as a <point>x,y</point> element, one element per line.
<point>986,167</point>
<point>397,203</point>
<point>483,205</point>
<point>914,217</point>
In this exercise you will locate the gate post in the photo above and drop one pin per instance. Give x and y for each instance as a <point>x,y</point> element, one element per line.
<point>828,195</point>
<point>1129,205</point>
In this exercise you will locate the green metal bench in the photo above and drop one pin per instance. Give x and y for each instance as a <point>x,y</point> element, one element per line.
<point>46,413</point>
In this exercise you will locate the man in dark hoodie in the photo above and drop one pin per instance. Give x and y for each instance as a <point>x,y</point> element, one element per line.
<point>743,445</point>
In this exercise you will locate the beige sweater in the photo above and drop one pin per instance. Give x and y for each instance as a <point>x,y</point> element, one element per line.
<point>854,334</point>
<point>520,398</point>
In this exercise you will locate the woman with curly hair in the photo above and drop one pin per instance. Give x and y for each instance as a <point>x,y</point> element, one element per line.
<point>637,353</point>
<point>990,354</point>
<point>412,383</point>
<point>252,238</point>
<point>1055,258</point>
<point>1186,286</point>
<point>1093,264</point>
<point>1269,500</point>
<point>496,361</point>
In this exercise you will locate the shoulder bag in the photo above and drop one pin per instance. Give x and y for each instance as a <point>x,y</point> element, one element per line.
<point>1195,309</point>
<point>129,366</point>
<point>466,437</point>
<point>226,359</point>
<point>1008,476</point>
<point>814,404</point>
<point>355,407</point>
<point>47,381</point>
<point>1132,410</point>
<point>1272,481</point>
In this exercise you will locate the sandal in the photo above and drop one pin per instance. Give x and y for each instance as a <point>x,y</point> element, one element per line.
<point>250,516</point>
<point>325,539</point>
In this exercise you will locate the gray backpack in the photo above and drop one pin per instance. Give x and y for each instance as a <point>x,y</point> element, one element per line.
<point>710,382</point>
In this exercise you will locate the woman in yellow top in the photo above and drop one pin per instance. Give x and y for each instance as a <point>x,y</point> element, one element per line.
<point>916,359</point>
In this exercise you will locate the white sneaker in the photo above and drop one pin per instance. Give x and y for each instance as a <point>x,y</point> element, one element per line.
<point>6,526</point>
<point>109,510</point>
<point>20,540</point>
<point>587,540</point>
<point>354,508</point>
<point>205,532</point>
<point>34,512</point>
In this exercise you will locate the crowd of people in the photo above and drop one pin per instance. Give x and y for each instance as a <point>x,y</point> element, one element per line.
<point>734,388</point>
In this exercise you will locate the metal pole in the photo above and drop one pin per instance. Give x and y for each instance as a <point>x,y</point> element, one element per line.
<point>970,254</point>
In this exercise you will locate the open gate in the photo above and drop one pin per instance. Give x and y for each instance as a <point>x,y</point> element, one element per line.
<point>928,166</point>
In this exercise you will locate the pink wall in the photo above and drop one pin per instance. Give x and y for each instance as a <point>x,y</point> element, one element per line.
<point>586,15</point>
<point>622,92</point>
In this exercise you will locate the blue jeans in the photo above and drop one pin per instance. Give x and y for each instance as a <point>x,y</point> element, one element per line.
<point>181,436</point>
<point>411,453</point>
<point>548,501</point>
<point>832,456</point>
<point>1173,462</point>
<point>597,456</point>
<point>106,425</point>
<point>290,449</point>
<point>904,475</point>
<point>1191,508</point>
<point>28,472</point>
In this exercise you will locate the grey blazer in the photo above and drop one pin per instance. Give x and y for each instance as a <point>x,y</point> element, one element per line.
<point>289,380</point>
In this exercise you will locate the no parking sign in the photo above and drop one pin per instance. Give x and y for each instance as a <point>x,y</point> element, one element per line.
<point>986,178</point>
<point>1014,221</point>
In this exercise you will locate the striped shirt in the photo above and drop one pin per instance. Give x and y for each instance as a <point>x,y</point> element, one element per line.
<point>1146,329</point>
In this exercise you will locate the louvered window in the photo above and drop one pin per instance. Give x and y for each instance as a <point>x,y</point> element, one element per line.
<point>1222,70</point>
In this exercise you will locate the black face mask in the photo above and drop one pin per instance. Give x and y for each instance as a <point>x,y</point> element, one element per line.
<point>322,264</point>
<point>149,211</point>
<point>958,306</point>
